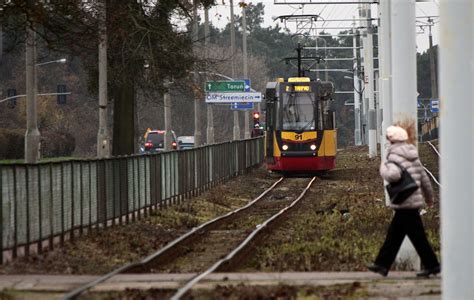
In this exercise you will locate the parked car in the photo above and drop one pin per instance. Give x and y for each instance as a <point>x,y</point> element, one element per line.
<point>186,142</point>
<point>154,141</point>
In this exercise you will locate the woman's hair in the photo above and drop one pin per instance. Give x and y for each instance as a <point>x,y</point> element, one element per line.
<point>409,126</point>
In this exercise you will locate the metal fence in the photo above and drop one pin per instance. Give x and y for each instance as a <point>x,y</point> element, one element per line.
<point>44,204</point>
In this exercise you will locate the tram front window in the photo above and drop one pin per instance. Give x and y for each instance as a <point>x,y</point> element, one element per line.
<point>298,112</point>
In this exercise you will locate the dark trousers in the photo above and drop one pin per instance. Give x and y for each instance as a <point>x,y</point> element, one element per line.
<point>406,222</point>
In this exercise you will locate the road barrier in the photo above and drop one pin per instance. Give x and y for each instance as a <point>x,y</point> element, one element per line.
<point>44,204</point>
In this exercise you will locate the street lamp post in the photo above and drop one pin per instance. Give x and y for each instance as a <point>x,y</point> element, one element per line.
<point>103,135</point>
<point>32,136</point>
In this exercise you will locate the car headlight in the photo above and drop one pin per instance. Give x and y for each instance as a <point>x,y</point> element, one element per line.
<point>312,147</point>
<point>284,147</point>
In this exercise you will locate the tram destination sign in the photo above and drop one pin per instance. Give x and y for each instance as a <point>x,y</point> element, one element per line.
<point>228,86</point>
<point>233,97</point>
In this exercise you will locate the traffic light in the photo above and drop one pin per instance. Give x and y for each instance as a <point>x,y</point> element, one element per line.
<point>61,99</point>
<point>11,102</point>
<point>256,119</point>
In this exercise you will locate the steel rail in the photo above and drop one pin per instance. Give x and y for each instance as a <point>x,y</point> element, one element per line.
<point>434,148</point>
<point>432,176</point>
<point>78,291</point>
<point>426,169</point>
<point>182,291</point>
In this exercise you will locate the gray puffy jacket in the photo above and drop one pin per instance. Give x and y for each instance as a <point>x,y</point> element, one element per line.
<point>407,156</point>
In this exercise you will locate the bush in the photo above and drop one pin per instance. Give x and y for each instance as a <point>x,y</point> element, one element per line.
<point>57,144</point>
<point>12,143</point>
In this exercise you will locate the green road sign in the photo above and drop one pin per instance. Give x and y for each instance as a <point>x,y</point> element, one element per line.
<point>226,86</point>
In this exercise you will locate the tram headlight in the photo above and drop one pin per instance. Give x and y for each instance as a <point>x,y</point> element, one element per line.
<point>312,147</point>
<point>284,147</point>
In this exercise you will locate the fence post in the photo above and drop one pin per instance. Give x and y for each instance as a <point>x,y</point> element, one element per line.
<point>15,215</point>
<point>134,199</point>
<point>71,235</point>
<point>61,239</point>
<point>125,188</point>
<point>147,183</point>
<point>81,198</point>
<point>90,194</point>
<point>27,185</point>
<point>1,215</point>
<point>40,212</point>
<point>139,189</point>
<point>51,210</point>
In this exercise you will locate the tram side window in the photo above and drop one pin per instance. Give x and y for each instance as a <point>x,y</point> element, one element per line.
<point>328,116</point>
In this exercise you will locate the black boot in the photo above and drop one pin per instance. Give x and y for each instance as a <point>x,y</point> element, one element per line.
<point>428,272</point>
<point>378,269</point>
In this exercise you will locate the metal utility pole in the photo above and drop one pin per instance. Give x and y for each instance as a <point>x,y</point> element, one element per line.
<point>457,227</point>
<point>434,87</point>
<point>316,40</point>
<point>197,100</point>
<point>245,62</point>
<point>103,137</point>
<point>357,94</point>
<point>32,137</point>
<point>299,48</point>
<point>378,105</point>
<point>210,115</point>
<point>404,91</point>
<point>369,81</point>
<point>236,131</point>
<point>457,148</point>
<point>385,72</point>
<point>361,66</point>
<point>167,115</point>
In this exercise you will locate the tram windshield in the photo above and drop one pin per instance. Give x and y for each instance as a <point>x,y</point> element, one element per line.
<point>298,111</point>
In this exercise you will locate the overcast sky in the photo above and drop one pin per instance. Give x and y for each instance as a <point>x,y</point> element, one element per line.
<point>219,15</point>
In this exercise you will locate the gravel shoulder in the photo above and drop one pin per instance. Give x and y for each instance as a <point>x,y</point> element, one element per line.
<point>341,224</point>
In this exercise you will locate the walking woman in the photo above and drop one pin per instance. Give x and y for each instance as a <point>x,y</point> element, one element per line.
<point>407,220</point>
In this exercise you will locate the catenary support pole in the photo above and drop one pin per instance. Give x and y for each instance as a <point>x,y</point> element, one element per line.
<point>385,64</point>
<point>236,131</point>
<point>245,65</point>
<point>361,62</point>
<point>32,137</point>
<point>103,139</point>
<point>433,74</point>
<point>369,83</point>
<point>197,94</point>
<point>357,93</point>
<point>457,149</point>
<point>210,115</point>
<point>378,105</point>
<point>403,29</point>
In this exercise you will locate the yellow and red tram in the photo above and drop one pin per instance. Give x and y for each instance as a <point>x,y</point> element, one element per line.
<point>301,132</point>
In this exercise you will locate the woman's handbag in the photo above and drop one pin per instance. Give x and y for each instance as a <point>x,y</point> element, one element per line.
<point>399,191</point>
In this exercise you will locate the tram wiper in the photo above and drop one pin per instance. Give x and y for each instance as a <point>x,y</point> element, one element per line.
<point>307,124</point>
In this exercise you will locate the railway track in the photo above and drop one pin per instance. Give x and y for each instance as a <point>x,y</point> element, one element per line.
<point>435,150</point>
<point>229,236</point>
